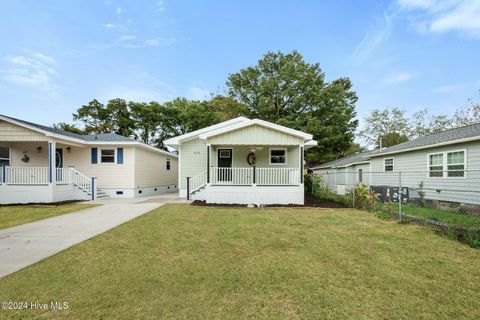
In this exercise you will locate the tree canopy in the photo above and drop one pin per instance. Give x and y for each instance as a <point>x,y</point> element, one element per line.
<point>284,89</point>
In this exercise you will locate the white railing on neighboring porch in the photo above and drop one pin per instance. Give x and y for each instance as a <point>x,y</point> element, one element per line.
<point>258,176</point>
<point>26,175</point>
<point>41,176</point>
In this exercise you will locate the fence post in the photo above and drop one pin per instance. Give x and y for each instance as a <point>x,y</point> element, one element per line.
<point>188,188</point>
<point>94,189</point>
<point>353,192</point>
<point>400,196</point>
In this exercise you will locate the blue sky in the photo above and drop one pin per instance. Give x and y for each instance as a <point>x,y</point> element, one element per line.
<point>57,55</point>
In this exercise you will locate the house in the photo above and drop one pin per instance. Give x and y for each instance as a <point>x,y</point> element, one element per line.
<point>40,164</point>
<point>443,166</point>
<point>242,161</point>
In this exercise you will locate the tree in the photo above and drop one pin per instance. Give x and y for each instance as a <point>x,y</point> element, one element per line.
<point>284,89</point>
<point>469,114</point>
<point>98,118</point>
<point>226,108</point>
<point>354,148</point>
<point>391,139</point>
<point>382,123</point>
<point>146,118</point>
<point>68,127</point>
<point>422,123</point>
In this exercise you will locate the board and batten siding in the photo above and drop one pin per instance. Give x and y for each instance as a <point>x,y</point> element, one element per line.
<point>414,167</point>
<point>193,155</point>
<point>109,175</point>
<point>151,171</point>
<point>13,132</point>
<point>255,135</point>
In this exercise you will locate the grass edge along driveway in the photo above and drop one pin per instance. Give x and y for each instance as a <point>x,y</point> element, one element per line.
<point>11,216</point>
<point>234,263</point>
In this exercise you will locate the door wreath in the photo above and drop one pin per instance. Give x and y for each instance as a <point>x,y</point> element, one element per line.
<point>251,159</point>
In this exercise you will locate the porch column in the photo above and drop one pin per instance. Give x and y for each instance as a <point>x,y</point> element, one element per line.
<point>208,164</point>
<point>52,172</point>
<point>301,164</point>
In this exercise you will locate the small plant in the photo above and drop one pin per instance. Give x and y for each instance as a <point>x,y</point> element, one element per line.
<point>473,240</point>
<point>365,198</point>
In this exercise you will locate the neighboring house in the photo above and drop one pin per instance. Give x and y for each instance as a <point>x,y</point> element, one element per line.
<point>42,164</point>
<point>242,161</point>
<point>444,165</point>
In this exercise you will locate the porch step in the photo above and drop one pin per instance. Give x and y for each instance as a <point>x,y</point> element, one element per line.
<point>101,194</point>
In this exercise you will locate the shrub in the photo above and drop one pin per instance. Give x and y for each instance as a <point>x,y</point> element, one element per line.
<point>473,240</point>
<point>365,198</point>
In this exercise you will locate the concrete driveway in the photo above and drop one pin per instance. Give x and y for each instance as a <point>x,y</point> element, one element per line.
<point>26,244</point>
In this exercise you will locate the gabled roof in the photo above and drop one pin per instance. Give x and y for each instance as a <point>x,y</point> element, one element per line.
<point>258,122</point>
<point>175,141</point>
<point>91,139</point>
<point>452,136</point>
<point>235,124</point>
<point>357,158</point>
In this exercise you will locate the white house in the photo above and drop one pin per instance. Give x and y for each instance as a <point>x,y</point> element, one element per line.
<point>444,166</point>
<point>41,164</point>
<point>242,161</point>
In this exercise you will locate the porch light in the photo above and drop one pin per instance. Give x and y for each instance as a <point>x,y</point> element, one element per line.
<point>69,149</point>
<point>39,149</point>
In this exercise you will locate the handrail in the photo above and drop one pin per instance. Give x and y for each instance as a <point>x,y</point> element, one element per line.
<point>81,181</point>
<point>255,176</point>
<point>198,181</point>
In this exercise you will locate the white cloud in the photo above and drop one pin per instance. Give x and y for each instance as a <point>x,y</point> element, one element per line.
<point>112,26</point>
<point>126,38</point>
<point>161,6</point>
<point>33,70</point>
<point>438,16</point>
<point>448,88</point>
<point>119,10</point>
<point>108,26</point>
<point>196,93</point>
<point>399,77</point>
<point>151,43</point>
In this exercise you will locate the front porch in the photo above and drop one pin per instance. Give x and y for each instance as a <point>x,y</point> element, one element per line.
<point>36,172</point>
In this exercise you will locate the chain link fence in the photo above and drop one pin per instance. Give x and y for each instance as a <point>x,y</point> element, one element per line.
<point>449,199</point>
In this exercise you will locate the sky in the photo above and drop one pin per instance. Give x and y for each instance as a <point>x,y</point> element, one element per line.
<point>56,56</point>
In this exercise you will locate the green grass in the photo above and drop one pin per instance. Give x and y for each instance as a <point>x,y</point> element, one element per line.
<point>235,263</point>
<point>451,217</point>
<point>14,215</point>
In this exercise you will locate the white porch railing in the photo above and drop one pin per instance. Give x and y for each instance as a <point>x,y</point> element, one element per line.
<point>258,176</point>
<point>198,181</point>
<point>26,175</point>
<point>41,176</point>
<point>277,176</point>
<point>81,181</point>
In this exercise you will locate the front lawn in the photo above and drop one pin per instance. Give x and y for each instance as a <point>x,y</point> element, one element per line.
<point>14,215</point>
<point>236,263</point>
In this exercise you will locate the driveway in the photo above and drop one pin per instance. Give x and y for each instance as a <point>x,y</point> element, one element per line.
<point>26,244</point>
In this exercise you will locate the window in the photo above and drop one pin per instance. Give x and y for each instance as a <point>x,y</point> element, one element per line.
<point>225,154</point>
<point>388,164</point>
<point>4,156</point>
<point>456,164</point>
<point>435,166</point>
<point>167,164</point>
<point>278,156</point>
<point>107,156</point>
<point>360,175</point>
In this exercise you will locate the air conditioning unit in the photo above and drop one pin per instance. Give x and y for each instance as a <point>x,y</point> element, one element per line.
<point>339,189</point>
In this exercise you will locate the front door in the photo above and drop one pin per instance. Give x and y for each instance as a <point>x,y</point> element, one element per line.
<point>59,163</point>
<point>224,160</point>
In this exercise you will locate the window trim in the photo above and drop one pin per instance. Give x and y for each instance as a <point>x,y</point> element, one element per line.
<point>100,160</point>
<point>9,155</point>
<point>393,164</point>
<point>168,164</point>
<point>445,164</point>
<point>270,157</point>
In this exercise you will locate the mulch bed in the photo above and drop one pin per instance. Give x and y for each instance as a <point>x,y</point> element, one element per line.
<point>310,201</point>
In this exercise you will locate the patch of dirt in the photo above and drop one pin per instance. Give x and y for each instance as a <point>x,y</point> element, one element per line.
<point>310,201</point>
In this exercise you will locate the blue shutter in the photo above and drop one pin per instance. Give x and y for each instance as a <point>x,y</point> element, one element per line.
<point>94,155</point>
<point>119,155</point>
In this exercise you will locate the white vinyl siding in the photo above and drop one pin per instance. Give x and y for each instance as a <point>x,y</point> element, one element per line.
<point>255,135</point>
<point>149,171</point>
<point>13,132</point>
